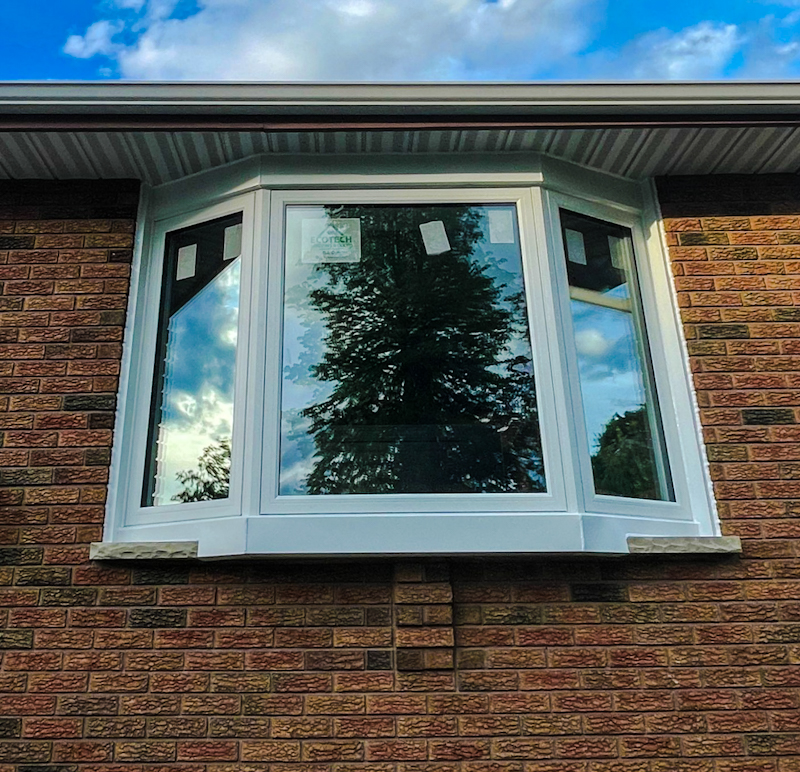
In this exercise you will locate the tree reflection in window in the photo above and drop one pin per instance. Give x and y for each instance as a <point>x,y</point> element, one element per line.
<point>210,479</point>
<point>413,371</point>
<point>623,459</point>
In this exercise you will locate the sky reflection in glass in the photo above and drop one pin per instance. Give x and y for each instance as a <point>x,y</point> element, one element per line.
<point>406,360</point>
<point>193,408</point>
<point>620,413</point>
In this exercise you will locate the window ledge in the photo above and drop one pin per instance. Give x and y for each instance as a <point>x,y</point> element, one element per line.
<point>637,545</point>
<point>143,550</point>
<point>394,534</point>
<point>684,545</point>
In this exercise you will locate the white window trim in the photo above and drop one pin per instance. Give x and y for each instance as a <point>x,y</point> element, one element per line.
<point>540,325</point>
<point>252,521</point>
<point>666,366</point>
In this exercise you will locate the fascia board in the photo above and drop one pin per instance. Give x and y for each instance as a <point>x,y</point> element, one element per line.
<point>264,99</point>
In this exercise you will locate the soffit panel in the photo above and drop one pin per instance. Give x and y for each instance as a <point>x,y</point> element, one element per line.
<point>636,153</point>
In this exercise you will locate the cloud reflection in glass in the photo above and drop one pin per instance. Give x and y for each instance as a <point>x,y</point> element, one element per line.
<point>192,413</point>
<point>620,411</point>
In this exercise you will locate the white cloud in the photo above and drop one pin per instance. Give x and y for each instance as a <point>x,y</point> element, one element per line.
<point>98,39</point>
<point>340,39</point>
<point>773,48</point>
<point>702,51</point>
<point>592,343</point>
<point>768,48</point>
<point>136,5</point>
<point>383,40</point>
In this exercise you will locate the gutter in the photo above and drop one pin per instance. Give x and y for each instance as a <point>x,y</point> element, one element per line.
<point>275,107</point>
<point>579,99</point>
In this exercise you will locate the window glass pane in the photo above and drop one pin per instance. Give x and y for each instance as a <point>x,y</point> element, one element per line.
<point>191,421</point>
<point>619,404</point>
<point>407,364</point>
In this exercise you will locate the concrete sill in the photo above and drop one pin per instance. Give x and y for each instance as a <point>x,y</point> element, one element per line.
<point>684,545</point>
<point>143,550</point>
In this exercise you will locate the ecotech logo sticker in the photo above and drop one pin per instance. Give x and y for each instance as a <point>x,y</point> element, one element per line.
<point>326,240</point>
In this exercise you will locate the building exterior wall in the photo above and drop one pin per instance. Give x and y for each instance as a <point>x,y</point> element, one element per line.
<point>649,664</point>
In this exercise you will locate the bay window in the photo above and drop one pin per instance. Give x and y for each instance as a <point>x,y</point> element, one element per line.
<point>407,369</point>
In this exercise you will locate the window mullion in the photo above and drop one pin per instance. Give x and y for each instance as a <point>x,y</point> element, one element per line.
<point>270,345</point>
<point>254,283</point>
<point>546,299</point>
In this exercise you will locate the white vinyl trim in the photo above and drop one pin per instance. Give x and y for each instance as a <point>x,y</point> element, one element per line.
<point>143,346</point>
<point>553,500</point>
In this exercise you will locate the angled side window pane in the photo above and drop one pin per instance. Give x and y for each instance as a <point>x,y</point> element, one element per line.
<point>407,361</point>
<point>191,414</point>
<point>618,392</point>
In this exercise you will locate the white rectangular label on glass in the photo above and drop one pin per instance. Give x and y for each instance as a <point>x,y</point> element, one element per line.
<point>232,246</point>
<point>619,252</point>
<point>434,236</point>
<point>326,240</point>
<point>576,251</point>
<point>187,262</point>
<point>501,226</point>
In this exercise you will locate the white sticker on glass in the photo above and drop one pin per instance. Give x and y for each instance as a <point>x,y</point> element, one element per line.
<point>576,251</point>
<point>619,252</point>
<point>434,236</point>
<point>327,240</point>
<point>232,246</point>
<point>501,226</point>
<point>187,262</point>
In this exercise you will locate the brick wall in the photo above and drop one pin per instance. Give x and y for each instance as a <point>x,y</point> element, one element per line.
<point>735,248</point>
<point>563,665</point>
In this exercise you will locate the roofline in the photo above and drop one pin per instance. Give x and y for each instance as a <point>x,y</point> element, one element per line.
<point>723,99</point>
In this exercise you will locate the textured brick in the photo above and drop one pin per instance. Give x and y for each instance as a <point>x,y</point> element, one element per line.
<point>563,665</point>
<point>157,618</point>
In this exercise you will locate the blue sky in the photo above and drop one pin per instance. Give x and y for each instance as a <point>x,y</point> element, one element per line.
<point>399,39</point>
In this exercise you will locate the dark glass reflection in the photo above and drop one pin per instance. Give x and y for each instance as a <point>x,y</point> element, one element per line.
<point>406,355</point>
<point>191,420</point>
<point>620,410</point>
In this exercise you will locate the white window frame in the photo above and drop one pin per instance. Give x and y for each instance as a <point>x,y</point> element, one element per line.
<point>569,517</point>
<point>129,485</point>
<point>657,341</point>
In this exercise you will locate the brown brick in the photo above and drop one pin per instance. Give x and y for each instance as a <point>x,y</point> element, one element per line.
<point>564,666</point>
<point>424,637</point>
<point>151,751</point>
<point>274,705</point>
<point>85,751</point>
<point>271,750</point>
<point>207,751</point>
<point>26,752</point>
<point>48,728</point>
<point>396,750</point>
<point>359,727</point>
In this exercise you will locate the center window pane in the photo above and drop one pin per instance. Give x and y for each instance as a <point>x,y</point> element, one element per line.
<point>407,363</point>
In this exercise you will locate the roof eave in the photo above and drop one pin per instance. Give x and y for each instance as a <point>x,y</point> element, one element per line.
<point>687,99</point>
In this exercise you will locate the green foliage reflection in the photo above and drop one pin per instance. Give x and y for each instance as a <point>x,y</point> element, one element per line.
<point>428,396</point>
<point>623,464</point>
<point>211,479</point>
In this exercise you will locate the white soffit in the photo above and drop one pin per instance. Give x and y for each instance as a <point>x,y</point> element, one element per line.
<point>163,156</point>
